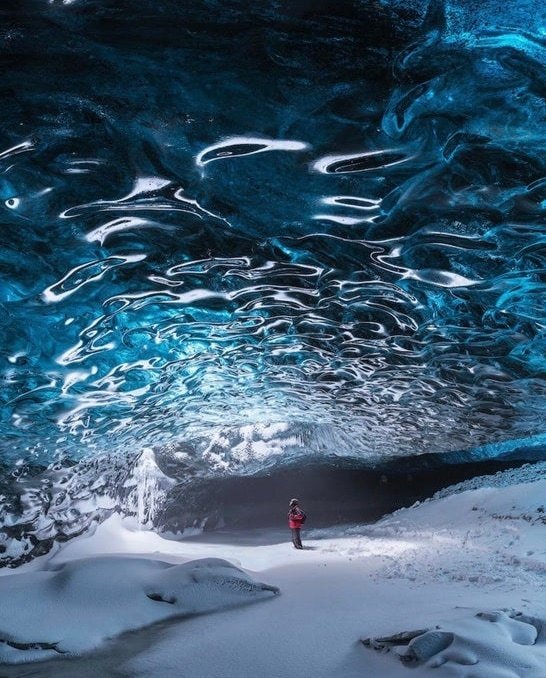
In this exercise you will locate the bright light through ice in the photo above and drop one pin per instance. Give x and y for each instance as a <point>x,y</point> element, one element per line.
<point>234,147</point>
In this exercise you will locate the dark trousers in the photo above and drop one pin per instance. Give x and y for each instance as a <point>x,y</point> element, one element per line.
<point>296,539</point>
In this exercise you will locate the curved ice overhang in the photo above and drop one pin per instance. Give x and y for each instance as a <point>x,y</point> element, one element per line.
<point>193,243</point>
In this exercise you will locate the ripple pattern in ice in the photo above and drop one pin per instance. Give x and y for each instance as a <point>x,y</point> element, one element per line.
<point>215,214</point>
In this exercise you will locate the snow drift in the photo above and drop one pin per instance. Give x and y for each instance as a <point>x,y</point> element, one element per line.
<point>74,608</point>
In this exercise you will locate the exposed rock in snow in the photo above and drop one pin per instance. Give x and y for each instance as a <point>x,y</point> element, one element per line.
<point>498,643</point>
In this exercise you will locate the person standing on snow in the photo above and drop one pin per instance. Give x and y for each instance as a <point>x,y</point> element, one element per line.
<point>296,518</point>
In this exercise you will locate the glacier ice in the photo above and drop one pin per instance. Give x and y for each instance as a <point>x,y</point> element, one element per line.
<point>227,218</point>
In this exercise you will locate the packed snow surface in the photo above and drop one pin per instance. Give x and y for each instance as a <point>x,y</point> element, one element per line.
<point>450,587</point>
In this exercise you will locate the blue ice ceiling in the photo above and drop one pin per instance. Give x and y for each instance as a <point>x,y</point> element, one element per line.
<point>325,215</point>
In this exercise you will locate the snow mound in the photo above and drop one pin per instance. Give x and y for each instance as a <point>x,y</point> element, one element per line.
<point>528,473</point>
<point>500,643</point>
<point>487,536</point>
<point>75,607</point>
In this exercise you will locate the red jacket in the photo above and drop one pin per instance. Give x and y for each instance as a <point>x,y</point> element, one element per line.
<point>296,518</point>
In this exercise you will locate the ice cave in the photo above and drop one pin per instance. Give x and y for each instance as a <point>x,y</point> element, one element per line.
<point>259,251</point>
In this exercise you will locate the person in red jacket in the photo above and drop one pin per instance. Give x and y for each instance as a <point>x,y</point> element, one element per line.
<point>296,518</point>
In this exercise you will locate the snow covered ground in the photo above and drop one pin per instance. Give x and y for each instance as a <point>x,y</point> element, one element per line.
<point>466,570</point>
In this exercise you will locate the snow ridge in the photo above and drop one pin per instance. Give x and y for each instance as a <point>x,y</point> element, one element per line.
<point>528,473</point>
